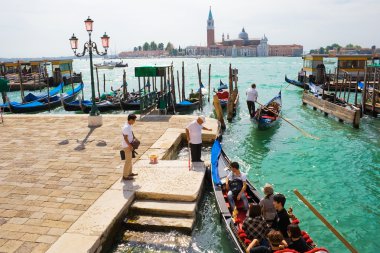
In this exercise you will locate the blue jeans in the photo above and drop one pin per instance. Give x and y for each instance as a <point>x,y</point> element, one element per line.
<point>230,196</point>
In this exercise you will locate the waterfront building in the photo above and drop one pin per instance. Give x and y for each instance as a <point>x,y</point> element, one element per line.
<point>285,50</point>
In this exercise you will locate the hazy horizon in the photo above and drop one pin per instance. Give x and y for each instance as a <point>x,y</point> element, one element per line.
<point>43,28</point>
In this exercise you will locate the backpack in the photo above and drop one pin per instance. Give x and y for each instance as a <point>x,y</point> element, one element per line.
<point>235,186</point>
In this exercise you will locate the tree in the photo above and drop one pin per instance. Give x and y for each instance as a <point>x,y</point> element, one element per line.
<point>313,51</point>
<point>336,46</point>
<point>350,46</point>
<point>146,46</point>
<point>174,52</point>
<point>140,48</point>
<point>169,47</point>
<point>321,50</point>
<point>161,46</point>
<point>135,49</point>
<point>153,46</point>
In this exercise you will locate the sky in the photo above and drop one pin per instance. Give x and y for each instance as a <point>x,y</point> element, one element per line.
<point>42,28</point>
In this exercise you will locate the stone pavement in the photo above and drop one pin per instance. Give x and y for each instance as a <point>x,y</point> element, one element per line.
<point>53,168</point>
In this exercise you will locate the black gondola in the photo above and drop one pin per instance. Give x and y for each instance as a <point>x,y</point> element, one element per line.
<point>103,106</point>
<point>46,104</point>
<point>74,106</point>
<point>131,105</point>
<point>219,171</point>
<point>297,83</point>
<point>186,105</point>
<point>268,115</point>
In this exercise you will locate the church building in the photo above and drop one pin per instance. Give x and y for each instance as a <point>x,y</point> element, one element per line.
<point>242,46</point>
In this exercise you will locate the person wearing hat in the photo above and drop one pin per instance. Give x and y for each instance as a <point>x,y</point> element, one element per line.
<point>194,137</point>
<point>267,207</point>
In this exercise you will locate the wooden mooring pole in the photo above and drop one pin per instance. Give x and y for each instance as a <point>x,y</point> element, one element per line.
<point>183,82</point>
<point>21,84</point>
<point>179,89</point>
<point>230,103</point>
<point>218,111</point>
<point>209,81</point>
<point>200,86</point>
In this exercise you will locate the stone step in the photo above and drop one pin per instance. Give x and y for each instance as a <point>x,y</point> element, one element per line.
<point>160,223</point>
<point>164,208</point>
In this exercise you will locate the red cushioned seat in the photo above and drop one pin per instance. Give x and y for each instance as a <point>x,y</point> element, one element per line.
<point>247,241</point>
<point>222,95</point>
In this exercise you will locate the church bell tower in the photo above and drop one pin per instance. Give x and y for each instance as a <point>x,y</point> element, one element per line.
<point>210,30</point>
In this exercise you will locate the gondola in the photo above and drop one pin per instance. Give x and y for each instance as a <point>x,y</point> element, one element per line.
<point>74,106</point>
<point>223,94</point>
<point>297,83</point>
<point>130,105</point>
<point>103,106</point>
<point>233,223</point>
<point>268,115</point>
<point>46,104</point>
<point>121,64</point>
<point>186,105</point>
<point>30,97</point>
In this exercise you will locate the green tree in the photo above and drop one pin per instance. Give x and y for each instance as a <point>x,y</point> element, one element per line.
<point>174,52</point>
<point>146,46</point>
<point>140,48</point>
<point>153,46</point>
<point>357,47</point>
<point>169,47</point>
<point>350,46</point>
<point>135,49</point>
<point>313,51</point>
<point>337,46</point>
<point>161,46</point>
<point>321,50</point>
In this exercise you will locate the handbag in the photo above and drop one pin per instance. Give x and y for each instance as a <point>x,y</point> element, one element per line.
<point>135,142</point>
<point>122,154</point>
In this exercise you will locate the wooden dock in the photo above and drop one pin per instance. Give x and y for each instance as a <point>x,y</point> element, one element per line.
<point>349,115</point>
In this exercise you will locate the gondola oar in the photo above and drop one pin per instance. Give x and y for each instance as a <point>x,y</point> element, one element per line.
<point>328,225</point>
<point>288,121</point>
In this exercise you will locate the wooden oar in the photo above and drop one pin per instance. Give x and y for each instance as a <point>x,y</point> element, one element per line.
<point>288,121</point>
<point>328,225</point>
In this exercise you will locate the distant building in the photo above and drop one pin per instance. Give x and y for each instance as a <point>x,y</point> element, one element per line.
<point>242,46</point>
<point>147,54</point>
<point>285,50</point>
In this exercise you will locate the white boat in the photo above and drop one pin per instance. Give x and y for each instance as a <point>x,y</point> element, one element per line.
<point>105,65</point>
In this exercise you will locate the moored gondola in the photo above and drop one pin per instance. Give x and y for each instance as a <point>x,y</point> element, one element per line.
<point>297,83</point>
<point>32,97</point>
<point>46,104</point>
<point>103,106</point>
<point>186,105</point>
<point>220,167</point>
<point>268,115</point>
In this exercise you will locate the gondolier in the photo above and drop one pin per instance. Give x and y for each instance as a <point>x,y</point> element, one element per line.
<point>194,137</point>
<point>251,99</point>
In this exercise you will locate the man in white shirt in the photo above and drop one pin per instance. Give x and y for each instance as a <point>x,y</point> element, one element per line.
<point>251,99</point>
<point>194,137</point>
<point>127,146</point>
<point>236,184</point>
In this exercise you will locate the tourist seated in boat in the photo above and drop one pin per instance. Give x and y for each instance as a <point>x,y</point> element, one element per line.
<point>236,184</point>
<point>266,204</point>
<point>296,242</point>
<point>254,226</point>
<point>276,242</point>
<point>281,221</point>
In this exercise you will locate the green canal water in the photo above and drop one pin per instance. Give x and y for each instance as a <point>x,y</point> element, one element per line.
<point>339,173</point>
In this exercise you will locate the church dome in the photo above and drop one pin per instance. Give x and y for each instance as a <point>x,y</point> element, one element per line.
<point>243,35</point>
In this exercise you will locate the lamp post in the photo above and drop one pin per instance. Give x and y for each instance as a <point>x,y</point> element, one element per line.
<point>91,47</point>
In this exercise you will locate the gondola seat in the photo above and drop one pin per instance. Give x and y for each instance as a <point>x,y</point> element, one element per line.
<point>223,95</point>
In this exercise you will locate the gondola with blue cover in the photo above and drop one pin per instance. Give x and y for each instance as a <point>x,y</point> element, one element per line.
<point>32,97</point>
<point>46,103</point>
<point>268,115</point>
<point>186,105</point>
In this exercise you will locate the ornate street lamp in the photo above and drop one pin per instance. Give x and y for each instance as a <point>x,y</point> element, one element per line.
<point>91,47</point>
